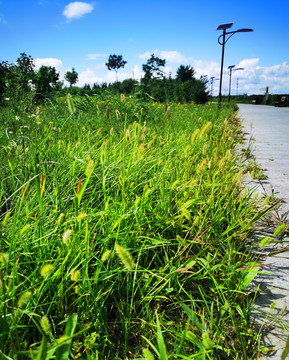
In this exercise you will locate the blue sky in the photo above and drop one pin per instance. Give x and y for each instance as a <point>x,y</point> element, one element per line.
<point>82,34</point>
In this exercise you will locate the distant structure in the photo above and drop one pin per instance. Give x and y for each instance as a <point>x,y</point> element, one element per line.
<point>266,95</point>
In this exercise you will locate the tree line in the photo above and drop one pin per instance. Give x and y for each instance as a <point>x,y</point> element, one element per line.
<point>21,79</point>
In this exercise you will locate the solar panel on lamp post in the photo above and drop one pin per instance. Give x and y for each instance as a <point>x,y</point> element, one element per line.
<point>222,41</point>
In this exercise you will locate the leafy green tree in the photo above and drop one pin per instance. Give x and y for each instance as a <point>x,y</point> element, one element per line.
<point>127,86</point>
<point>46,82</point>
<point>115,62</point>
<point>193,90</point>
<point>16,79</point>
<point>185,73</point>
<point>71,77</point>
<point>25,71</point>
<point>152,68</point>
<point>4,71</point>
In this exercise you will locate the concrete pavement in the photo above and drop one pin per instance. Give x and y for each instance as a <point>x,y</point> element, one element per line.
<point>269,126</point>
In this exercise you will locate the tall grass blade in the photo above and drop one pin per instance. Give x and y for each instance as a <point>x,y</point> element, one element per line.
<point>63,351</point>
<point>161,343</point>
<point>70,104</point>
<point>285,352</point>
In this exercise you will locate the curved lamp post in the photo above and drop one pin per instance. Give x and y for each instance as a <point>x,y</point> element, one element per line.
<point>231,69</point>
<point>222,41</point>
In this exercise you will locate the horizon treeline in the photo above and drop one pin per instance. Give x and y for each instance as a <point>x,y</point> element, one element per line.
<point>20,80</point>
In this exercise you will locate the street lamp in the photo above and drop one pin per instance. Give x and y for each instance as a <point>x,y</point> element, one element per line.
<point>222,41</point>
<point>212,86</point>
<point>231,69</point>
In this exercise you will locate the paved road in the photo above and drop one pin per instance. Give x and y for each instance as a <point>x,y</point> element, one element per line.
<point>270,128</point>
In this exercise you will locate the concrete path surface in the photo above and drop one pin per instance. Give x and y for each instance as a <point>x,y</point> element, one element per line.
<point>269,126</point>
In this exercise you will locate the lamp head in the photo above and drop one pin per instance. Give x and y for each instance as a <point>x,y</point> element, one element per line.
<point>244,30</point>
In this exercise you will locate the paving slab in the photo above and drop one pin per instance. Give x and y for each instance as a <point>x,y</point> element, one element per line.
<point>269,127</point>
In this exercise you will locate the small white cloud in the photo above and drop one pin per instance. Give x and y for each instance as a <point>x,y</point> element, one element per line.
<point>95,56</point>
<point>173,57</point>
<point>88,77</point>
<point>2,20</point>
<point>249,64</point>
<point>136,73</point>
<point>77,9</point>
<point>209,68</point>
<point>170,56</point>
<point>147,54</point>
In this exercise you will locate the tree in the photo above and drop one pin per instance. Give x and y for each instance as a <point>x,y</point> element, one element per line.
<point>185,73</point>
<point>193,90</point>
<point>16,78</point>
<point>115,62</point>
<point>127,86</point>
<point>152,67</point>
<point>24,70</point>
<point>46,82</point>
<point>71,77</point>
<point>4,71</point>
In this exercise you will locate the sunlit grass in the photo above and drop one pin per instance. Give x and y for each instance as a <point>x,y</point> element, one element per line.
<point>132,216</point>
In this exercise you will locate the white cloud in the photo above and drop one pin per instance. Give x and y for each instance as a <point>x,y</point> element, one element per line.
<point>173,57</point>
<point>77,9</point>
<point>95,56</point>
<point>2,20</point>
<point>136,73</point>
<point>147,54</point>
<point>255,78</point>
<point>249,64</point>
<point>50,62</point>
<point>170,56</point>
<point>88,77</point>
<point>97,75</point>
<point>209,68</point>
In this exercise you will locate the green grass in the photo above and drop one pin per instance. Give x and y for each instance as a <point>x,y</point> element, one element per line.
<point>132,216</point>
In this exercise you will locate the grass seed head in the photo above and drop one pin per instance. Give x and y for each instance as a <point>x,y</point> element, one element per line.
<point>66,236</point>
<point>117,114</point>
<point>4,258</point>
<point>41,183</point>
<point>75,275</point>
<point>105,255</point>
<point>125,257</point>
<point>59,219</point>
<point>279,230</point>
<point>6,218</point>
<point>107,113</point>
<point>79,185</point>
<point>89,168</point>
<point>46,270</point>
<point>23,300</point>
<point>44,322</point>
<point>81,217</point>
<point>24,229</point>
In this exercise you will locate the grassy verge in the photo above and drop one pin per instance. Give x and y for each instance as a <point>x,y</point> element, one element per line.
<point>124,232</point>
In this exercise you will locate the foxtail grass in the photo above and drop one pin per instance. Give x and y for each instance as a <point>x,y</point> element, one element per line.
<point>134,220</point>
